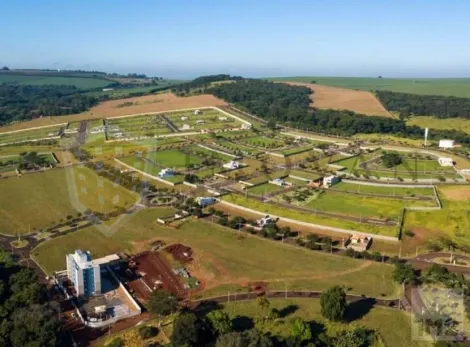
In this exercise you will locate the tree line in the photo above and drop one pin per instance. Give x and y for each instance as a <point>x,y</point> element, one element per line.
<point>24,102</point>
<point>424,105</point>
<point>28,318</point>
<point>289,105</point>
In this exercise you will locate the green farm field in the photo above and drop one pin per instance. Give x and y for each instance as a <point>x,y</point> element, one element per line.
<point>223,258</point>
<point>309,217</point>
<point>392,191</point>
<point>426,86</point>
<point>392,326</point>
<point>79,82</point>
<point>36,201</point>
<point>436,123</point>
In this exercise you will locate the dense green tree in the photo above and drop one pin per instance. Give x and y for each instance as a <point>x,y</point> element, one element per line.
<point>162,302</point>
<point>219,322</point>
<point>333,304</point>
<point>404,273</point>
<point>186,329</point>
<point>391,159</point>
<point>300,330</point>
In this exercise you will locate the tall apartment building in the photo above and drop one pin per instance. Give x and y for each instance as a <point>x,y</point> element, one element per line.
<point>84,273</point>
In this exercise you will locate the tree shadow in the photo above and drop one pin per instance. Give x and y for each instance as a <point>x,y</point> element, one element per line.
<point>358,309</point>
<point>288,310</point>
<point>241,323</point>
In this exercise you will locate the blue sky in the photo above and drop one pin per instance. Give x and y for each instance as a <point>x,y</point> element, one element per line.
<point>187,38</point>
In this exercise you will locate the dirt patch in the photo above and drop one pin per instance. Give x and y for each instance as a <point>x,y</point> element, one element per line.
<point>359,101</point>
<point>457,193</point>
<point>156,273</point>
<point>180,252</point>
<point>142,104</point>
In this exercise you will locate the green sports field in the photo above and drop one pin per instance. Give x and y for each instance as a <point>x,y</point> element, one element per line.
<point>39,200</point>
<point>426,86</point>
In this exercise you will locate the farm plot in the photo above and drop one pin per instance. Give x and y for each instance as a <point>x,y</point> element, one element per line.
<point>223,258</point>
<point>384,190</point>
<point>146,125</point>
<point>30,135</point>
<point>42,79</point>
<point>207,119</point>
<point>40,200</point>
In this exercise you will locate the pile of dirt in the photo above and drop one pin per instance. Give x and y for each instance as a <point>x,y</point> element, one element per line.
<point>180,252</point>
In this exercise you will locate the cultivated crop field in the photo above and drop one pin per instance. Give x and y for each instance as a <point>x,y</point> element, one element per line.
<point>79,82</point>
<point>223,258</point>
<point>360,101</point>
<point>29,135</point>
<point>39,200</point>
<point>437,123</point>
<point>427,86</point>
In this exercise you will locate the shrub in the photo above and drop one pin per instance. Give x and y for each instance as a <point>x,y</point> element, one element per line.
<point>117,342</point>
<point>147,332</point>
<point>409,233</point>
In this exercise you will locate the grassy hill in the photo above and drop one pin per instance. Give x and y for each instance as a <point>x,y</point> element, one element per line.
<point>430,86</point>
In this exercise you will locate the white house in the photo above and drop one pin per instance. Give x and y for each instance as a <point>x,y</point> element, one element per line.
<point>184,118</point>
<point>232,165</point>
<point>446,143</point>
<point>328,181</point>
<point>246,126</point>
<point>278,181</point>
<point>446,161</point>
<point>265,221</point>
<point>200,121</point>
<point>204,201</point>
<point>197,112</point>
<point>166,173</point>
<point>185,127</point>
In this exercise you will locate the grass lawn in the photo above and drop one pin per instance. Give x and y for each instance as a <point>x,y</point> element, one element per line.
<point>436,123</point>
<point>173,158</point>
<point>304,174</point>
<point>361,206</point>
<point>452,221</point>
<point>40,199</point>
<point>262,141</point>
<point>425,86</point>
<point>267,177</point>
<point>392,326</point>
<point>265,188</point>
<point>296,150</point>
<point>308,217</point>
<point>207,153</point>
<point>392,191</point>
<point>223,258</point>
